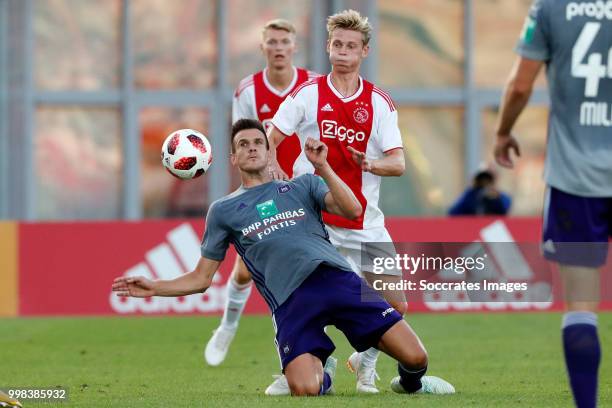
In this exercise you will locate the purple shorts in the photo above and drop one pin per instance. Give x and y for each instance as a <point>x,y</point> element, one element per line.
<point>330,296</point>
<point>576,229</point>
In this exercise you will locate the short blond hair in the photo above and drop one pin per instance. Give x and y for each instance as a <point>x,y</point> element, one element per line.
<point>350,20</point>
<point>278,24</point>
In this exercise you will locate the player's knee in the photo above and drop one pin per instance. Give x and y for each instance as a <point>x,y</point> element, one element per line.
<point>417,359</point>
<point>241,276</point>
<point>420,359</point>
<point>304,388</point>
<point>582,306</point>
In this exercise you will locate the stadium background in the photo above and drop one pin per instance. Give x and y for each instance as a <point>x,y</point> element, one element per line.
<point>90,88</point>
<point>88,91</point>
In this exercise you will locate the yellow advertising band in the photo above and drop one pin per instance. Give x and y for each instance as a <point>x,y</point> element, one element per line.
<point>8,269</point>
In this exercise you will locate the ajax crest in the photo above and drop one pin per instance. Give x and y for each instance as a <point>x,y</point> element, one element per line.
<point>360,115</point>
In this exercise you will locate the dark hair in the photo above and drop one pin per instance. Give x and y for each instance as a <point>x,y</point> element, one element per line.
<point>244,124</point>
<point>484,177</point>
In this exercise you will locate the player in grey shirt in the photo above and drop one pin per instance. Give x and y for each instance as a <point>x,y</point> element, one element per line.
<point>277,229</point>
<point>261,219</point>
<point>574,40</point>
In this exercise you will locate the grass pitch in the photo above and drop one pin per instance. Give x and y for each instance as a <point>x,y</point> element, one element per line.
<point>500,360</point>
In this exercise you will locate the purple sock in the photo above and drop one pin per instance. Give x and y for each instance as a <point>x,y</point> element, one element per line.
<point>327,382</point>
<point>582,356</point>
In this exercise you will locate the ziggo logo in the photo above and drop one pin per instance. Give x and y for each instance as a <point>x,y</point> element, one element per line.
<point>331,130</point>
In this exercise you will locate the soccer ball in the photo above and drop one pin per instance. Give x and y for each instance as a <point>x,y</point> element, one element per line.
<point>186,154</point>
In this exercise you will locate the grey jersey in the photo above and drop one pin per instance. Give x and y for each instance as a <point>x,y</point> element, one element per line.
<point>574,38</point>
<point>277,229</point>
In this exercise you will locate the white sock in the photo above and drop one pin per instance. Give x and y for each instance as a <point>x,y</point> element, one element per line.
<point>237,296</point>
<point>369,357</point>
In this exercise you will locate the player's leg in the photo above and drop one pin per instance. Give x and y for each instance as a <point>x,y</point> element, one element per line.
<point>238,292</point>
<point>281,386</point>
<point>380,245</point>
<point>575,235</point>
<point>364,363</point>
<point>299,325</point>
<point>367,321</point>
<point>579,332</point>
<point>307,377</point>
<point>402,343</point>
<point>396,298</point>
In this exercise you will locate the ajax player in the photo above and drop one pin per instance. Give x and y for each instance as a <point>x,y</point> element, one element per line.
<point>284,217</point>
<point>573,39</point>
<point>358,123</point>
<point>258,96</point>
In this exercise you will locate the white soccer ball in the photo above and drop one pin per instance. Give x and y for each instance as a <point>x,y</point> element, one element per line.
<point>186,154</point>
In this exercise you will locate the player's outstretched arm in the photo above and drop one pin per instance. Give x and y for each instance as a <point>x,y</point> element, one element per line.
<point>340,200</point>
<point>392,164</point>
<point>516,95</point>
<point>196,281</point>
<point>275,137</point>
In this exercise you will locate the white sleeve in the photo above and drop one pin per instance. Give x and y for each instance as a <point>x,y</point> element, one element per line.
<point>243,105</point>
<point>388,134</point>
<point>290,114</point>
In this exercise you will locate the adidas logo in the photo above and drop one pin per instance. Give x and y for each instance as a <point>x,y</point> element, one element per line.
<point>241,206</point>
<point>327,108</point>
<point>265,109</point>
<point>505,262</point>
<point>168,260</point>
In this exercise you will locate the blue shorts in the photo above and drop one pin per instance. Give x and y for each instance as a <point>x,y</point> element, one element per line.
<point>330,296</point>
<point>576,229</point>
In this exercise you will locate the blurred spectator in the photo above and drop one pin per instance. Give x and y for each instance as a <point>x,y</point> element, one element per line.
<point>482,198</point>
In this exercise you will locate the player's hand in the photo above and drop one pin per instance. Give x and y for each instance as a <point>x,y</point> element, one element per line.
<point>503,146</point>
<point>316,152</point>
<point>276,172</point>
<point>134,287</point>
<point>361,159</point>
<point>491,192</point>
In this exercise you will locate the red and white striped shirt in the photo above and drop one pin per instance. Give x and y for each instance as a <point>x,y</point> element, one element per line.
<point>366,121</point>
<point>256,98</point>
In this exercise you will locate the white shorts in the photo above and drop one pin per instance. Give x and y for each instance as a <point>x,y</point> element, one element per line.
<point>349,242</point>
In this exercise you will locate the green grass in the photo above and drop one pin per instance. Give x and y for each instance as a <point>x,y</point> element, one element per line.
<point>494,360</point>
